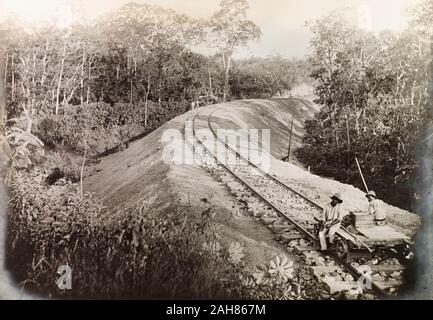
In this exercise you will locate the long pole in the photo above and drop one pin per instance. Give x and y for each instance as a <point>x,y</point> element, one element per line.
<point>362,176</point>
<point>290,139</point>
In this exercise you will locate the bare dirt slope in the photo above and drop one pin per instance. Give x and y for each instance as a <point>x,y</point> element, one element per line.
<point>139,174</point>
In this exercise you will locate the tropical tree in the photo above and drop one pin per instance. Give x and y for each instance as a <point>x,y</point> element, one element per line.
<point>230,29</point>
<point>373,95</point>
<point>143,31</point>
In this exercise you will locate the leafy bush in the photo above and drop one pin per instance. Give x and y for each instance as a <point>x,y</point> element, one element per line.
<point>101,126</point>
<point>381,138</point>
<point>28,148</point>
<point>50,131</point>
<point>127,252</point>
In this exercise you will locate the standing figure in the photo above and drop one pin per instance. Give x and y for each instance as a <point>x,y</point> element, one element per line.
<point>375,208</point>
<point>331,220</point>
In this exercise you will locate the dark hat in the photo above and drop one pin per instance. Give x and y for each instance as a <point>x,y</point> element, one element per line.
<point>337,197</point>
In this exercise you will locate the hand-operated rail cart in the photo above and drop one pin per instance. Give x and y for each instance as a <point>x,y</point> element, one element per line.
<point>359,232</point>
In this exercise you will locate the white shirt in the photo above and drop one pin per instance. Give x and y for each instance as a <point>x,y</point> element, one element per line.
<point>331,213</point>
<point>376,208</point>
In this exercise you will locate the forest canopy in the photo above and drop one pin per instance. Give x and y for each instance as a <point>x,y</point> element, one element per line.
<point>72,86</point>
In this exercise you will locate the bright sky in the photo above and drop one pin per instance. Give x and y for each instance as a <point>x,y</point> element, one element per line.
<point>282,21</point>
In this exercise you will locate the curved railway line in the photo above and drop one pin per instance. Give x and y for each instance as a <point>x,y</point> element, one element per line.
<point>301,218</point>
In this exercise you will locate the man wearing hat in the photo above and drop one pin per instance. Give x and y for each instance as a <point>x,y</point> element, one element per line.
<point>376,209</point>
<point>331,220</point>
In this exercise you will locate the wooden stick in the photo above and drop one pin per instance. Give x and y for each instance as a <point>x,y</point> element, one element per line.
<point>362,176</point>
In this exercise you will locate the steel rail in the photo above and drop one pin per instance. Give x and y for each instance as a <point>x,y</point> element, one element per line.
<point>352,270</point>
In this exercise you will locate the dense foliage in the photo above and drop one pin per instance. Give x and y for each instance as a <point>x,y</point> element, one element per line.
<point>267,77</point>
<point>373,89</point>
<point>122,253</point>
<point>139,55</point>
<point>101,126</point>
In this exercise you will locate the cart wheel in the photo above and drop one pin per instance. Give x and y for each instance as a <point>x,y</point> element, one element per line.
<point>342,248</point>
<point>404,252</point>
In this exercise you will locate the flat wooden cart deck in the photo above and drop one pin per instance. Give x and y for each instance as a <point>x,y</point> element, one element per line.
<point>362,233</point>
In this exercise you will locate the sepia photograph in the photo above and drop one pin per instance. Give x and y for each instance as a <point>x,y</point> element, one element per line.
<point>216,150</point>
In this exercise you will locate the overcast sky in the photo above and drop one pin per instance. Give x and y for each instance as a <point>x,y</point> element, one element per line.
<point>282,21</point>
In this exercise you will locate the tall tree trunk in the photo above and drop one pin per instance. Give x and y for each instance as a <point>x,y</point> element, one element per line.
<point>13,77</point>
<point>146,102</point>
<point>82,78</point>
<point>44,63</point>
<point>226,78</point>
<point>88,80</point>
<point>130,92</point>
<point>6,68</point>
<point>226,85</point>
<point>34,69</point>
<point>60,78</point>
<point>131,75</point>
<point>338,150</point>
<point>210,81</point>
<point>30,112</point>
<point>82,168</point>
<point>348,146</point>
<point>223,58</point>
<point>159,89</point>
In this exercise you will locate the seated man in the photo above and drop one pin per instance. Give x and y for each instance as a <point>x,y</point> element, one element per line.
<point>376,209</point>
<point>331,220</point>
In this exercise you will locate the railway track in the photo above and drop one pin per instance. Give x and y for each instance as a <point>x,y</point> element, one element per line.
<point>275,194</point>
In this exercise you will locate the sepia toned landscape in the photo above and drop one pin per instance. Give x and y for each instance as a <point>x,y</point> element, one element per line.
<point>233,149</point>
